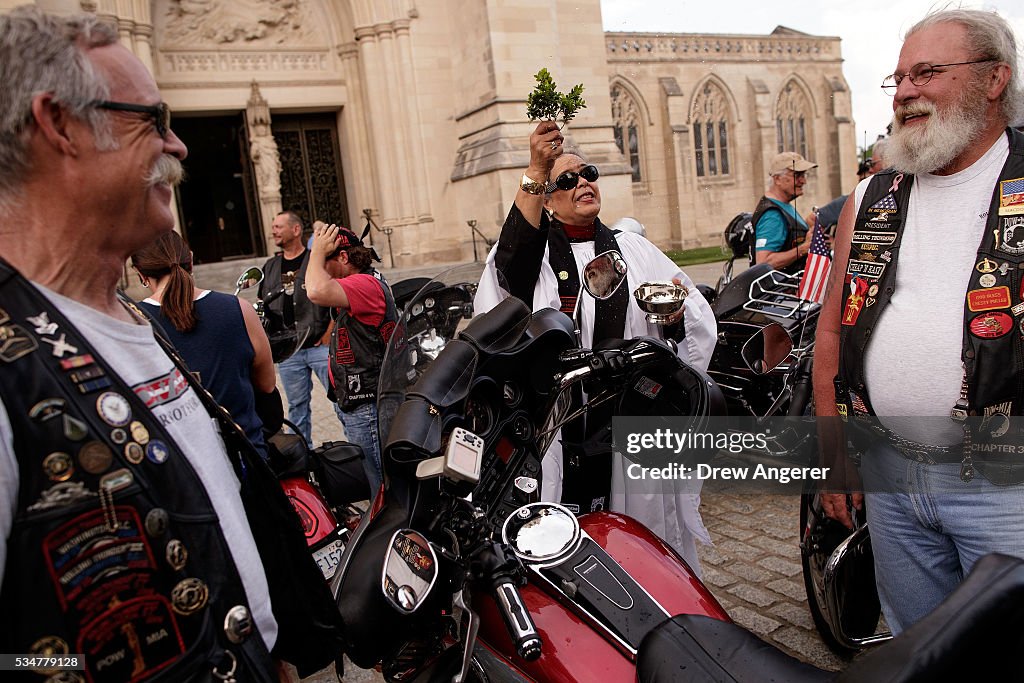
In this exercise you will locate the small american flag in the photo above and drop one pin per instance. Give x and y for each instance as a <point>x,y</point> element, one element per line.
<point>812,284</point>
<point>886,203</point>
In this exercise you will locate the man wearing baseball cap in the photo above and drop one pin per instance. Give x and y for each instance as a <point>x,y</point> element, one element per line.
<point>779,231</point>
<point>340,274</point>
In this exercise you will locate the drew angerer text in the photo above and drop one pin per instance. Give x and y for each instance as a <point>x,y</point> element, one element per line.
<point>703,471</point>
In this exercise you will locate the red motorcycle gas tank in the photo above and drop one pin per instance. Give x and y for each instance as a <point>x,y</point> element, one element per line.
<point>317,519</point>
<point>573,649</point>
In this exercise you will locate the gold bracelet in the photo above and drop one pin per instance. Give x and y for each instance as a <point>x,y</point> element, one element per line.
<point>531,186</point>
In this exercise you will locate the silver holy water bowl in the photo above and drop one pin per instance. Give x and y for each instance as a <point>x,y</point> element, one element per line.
<point>661,301</point>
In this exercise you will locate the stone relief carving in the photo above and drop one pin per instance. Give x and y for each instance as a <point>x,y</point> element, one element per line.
<point>236,23</point>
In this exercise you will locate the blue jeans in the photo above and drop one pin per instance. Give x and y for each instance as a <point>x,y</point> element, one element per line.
<point>361,429</point>
<point>298,385</point>
<point>928,528</point>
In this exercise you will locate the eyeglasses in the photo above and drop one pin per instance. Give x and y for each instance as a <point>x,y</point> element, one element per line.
<point>569,179</point>
<point>160,113</point>
<point>921,74</point>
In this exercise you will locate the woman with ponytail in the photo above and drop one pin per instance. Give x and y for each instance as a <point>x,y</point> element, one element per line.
<point>218,335</point>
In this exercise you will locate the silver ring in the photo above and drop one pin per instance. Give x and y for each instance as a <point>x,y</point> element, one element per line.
<point>554,144</point>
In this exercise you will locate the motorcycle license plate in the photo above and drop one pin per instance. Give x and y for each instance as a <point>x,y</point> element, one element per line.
<point>328,558</point>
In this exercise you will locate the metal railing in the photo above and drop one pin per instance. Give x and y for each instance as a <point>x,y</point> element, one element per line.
<point>368,213</point>
<point>474,232</point>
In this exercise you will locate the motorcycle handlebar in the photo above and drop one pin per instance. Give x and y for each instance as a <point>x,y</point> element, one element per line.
<point>584,364</point>
<point>517,619</point>
<point>273,295</point>
<point>501,571</point>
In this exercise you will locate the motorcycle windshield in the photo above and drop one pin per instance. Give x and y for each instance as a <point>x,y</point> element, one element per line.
<point>429,320</point>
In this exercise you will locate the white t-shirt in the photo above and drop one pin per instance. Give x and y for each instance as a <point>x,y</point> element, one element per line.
<point>912,367</point>
<point>134,354</point>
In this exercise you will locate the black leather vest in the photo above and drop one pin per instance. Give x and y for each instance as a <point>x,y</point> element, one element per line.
<point>115,550</point>
<point>993,339</point>
<point>311,321</point>
<point>357,350</point>
<point>795,233</point>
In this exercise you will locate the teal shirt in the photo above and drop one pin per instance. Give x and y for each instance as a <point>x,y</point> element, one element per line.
<point>770,232</point>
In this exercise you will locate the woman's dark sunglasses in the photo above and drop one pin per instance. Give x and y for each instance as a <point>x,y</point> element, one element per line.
<point>160,113</point>
<point>569,179</point>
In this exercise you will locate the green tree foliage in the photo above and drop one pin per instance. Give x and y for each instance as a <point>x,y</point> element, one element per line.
<point>545,103</point>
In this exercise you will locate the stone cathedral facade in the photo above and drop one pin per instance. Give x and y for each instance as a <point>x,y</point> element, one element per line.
<point>412,113</point>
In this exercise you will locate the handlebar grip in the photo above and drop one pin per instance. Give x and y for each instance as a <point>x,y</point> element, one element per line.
<point>517,619</point>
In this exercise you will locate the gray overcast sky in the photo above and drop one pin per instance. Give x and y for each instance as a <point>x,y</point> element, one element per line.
<point>872,32</point>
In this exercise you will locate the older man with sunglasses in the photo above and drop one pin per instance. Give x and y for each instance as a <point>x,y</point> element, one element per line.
<point>140,534</point>
<point>551,232</point>
<point>938,419</point>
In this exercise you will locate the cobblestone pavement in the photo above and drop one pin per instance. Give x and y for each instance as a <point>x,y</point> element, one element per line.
<point>753,568</point>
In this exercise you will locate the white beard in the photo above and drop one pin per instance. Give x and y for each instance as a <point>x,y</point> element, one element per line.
<point>943,137</point>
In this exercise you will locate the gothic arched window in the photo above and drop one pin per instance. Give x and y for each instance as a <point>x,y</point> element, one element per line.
<point>710,119</point>
<point>792,120</point>
<point>626,122</point>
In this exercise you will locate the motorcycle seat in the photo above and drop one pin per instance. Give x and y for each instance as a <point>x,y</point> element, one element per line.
<point>976,633</point>
<point>288,454</point>
<point>737,292</point>
<point>692,647</point>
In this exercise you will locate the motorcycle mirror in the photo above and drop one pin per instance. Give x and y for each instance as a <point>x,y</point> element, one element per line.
<point>249,278</point>
<point>604,274</point>
<point>767,349</point>
<point>410,570</point>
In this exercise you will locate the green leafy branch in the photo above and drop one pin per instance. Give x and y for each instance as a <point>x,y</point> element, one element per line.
<point>545,103</point>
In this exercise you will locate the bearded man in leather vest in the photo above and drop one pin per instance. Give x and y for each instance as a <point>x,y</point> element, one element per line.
<point>135,532</point>
<point>936,419</point>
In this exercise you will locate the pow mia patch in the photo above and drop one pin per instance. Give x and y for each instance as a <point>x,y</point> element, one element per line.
<point>131,641</point>
<point>1012,231</point>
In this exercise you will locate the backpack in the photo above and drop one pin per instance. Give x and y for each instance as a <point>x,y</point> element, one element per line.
<point>739,236</point>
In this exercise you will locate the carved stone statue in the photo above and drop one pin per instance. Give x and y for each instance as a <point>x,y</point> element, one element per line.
<point>264,155</point>
<point>236,22</point>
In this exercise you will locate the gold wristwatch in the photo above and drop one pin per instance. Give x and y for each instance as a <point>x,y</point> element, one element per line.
<point>531,186</point>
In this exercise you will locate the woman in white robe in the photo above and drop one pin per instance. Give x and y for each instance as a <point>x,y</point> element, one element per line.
<point>667,507</point>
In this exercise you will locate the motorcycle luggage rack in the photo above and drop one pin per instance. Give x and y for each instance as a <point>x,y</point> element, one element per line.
<point>774,293</point>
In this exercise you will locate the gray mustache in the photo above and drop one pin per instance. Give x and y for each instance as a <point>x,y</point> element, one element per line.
<point>167,169</point>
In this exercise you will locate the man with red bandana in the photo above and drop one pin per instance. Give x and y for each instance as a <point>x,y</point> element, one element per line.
<point>340,275</point>
<point>551,232</point>
<point>937,420</point>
